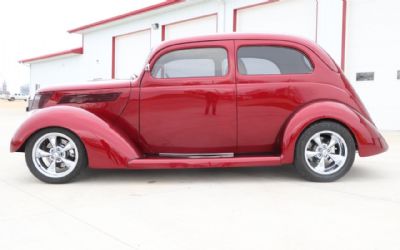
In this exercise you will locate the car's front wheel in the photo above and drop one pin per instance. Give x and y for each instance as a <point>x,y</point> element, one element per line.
<point>325,152</point>
<point>55,155</point>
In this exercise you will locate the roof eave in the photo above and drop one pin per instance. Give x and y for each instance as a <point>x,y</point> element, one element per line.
<point>84,28</point>
<point>76,51</point>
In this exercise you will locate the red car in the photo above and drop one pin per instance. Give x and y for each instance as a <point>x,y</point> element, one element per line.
<point>233,100</point>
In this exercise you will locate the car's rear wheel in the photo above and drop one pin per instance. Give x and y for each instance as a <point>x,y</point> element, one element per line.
<point>325,152</point>
<point>55,155</point>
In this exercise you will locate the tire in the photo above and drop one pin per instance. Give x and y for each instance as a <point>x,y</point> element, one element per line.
<point>55,164</point>
<point>328,158</point>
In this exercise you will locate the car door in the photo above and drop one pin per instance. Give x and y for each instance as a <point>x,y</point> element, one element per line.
<point>273,79</point>
<point>188,100</point>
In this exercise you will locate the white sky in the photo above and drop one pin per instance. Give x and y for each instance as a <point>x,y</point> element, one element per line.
<point>33,28</point>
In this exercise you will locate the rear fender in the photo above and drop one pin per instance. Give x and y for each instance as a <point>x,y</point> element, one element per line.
<point>368,139</point>
<point>106,145</point>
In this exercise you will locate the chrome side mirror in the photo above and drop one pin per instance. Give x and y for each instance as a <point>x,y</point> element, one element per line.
<point>147,67</point>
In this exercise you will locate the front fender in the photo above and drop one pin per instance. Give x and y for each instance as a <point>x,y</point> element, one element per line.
<point>369,141</point>
<point>106,145</point>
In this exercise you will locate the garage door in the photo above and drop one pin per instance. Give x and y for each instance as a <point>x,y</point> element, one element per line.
<point>372,58</point>
<point>192,27</point>
<point>292,17</point>
<point>130,53</point>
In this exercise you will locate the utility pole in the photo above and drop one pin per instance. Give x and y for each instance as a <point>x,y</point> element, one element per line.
<point>4,87</point>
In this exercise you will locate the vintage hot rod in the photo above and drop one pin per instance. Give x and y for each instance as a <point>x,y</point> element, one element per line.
<point>229,100</point>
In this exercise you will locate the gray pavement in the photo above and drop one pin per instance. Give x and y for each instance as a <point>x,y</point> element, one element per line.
<point>257,208</point>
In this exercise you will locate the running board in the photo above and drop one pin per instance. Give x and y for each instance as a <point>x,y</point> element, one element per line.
<point>196,156</point>
<point>241,161</point>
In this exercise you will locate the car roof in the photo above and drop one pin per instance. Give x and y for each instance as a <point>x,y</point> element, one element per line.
<point>236,36</point>
<point>254,36</point>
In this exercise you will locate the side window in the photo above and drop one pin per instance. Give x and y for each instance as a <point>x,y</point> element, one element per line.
<point>272,60</point>
<point>201,62</point>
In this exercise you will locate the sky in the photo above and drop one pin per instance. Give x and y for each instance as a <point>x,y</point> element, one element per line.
<point>33,28</point>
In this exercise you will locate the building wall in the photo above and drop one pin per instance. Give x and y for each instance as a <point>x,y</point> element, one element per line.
<point>98,43</point>
<point>372,45</point>
<point>329,27</point>
<point>56,72</point>
<point>371,41</point>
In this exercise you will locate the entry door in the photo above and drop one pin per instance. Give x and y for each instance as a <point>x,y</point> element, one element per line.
<point>188,100</point>
<point>273,80</point>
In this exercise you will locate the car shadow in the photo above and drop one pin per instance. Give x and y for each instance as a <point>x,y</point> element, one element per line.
<point>213,175</point>
<point>358,172</point>
<point>283,173</point>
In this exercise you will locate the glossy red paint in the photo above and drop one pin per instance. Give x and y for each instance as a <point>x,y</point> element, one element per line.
<point>368,139</point>
<point>163,163</point>
<point>76,51</point>
<point>161,112</point>
<point>107,145</point>
<point>273,99</point>
<point>258,118</point>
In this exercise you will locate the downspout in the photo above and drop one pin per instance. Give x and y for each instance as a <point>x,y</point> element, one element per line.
<point>344,21</point>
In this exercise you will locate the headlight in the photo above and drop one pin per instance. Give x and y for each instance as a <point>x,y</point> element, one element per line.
<point>40,100</point>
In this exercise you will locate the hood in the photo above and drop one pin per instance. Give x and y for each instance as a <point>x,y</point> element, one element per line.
<point>88,86</point>
<point>90,95</point>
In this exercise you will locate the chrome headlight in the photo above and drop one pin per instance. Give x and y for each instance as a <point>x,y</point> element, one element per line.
<point>40,100</point>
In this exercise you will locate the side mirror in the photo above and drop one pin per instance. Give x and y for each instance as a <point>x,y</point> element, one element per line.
<point>147,67</point>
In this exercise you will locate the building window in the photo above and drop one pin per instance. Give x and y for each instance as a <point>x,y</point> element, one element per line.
<point>272,60</point>
<point>398,74</point>
<point>365,76</point>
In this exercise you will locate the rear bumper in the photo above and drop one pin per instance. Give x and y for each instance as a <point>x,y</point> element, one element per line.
<point>377,145</point>
<point>370,141</point>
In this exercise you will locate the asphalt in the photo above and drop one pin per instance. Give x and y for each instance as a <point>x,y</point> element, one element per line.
<point>249,208</point>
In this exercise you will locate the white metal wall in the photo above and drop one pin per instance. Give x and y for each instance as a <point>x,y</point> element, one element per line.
<point>372,45</point>
<point>371,41</point>
<point>56,72</point>
<point>131,51</point>
<point>192,27</point>
<point>329,27</point>
<point>290,17</point>
<point>97,56</point>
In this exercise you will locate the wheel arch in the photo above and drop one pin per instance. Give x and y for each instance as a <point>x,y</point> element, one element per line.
<point>329,120</point>
<point>365,135</point>
<point>106,146</point>
<point>23,145</point>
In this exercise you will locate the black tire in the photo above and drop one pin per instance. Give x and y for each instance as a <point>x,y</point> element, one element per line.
<point>301,164</point>
<point>81,162</point>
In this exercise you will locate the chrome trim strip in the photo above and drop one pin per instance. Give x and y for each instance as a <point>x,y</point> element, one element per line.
<point>197,155</point>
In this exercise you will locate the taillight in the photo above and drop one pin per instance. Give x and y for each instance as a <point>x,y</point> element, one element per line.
<point>40,100</point>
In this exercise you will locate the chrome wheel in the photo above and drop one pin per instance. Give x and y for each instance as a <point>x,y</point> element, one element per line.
<point>55,155</point>
<point>326,152</point>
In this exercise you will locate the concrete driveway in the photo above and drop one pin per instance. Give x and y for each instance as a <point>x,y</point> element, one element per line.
<point>257,208</point>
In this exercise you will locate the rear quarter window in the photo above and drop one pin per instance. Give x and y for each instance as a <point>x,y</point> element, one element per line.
<point>272,60</point>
